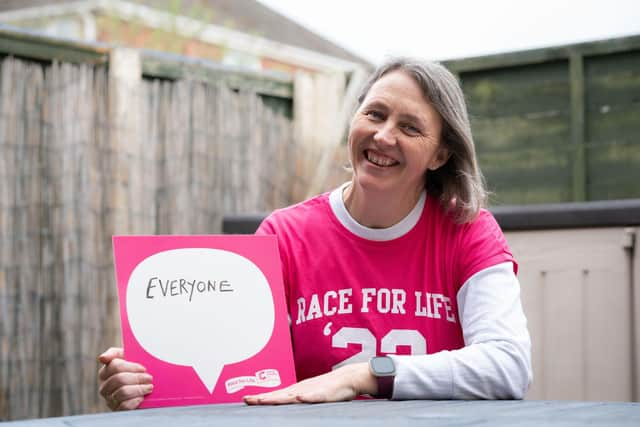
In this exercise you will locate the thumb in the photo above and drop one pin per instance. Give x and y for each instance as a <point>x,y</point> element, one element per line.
<point>110,354</point>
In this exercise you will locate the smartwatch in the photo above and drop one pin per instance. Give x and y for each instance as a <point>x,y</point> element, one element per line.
<point>384,370</point>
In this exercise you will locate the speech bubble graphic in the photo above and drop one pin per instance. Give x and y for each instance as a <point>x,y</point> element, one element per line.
<point>204,302</point>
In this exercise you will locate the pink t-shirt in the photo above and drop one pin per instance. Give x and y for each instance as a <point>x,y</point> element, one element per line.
<point>350,298</point>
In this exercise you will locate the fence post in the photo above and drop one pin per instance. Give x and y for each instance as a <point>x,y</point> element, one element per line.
<point>125,80</point>
<point>578,149</point>
<point>316,107</point>
<point>336,131</point>
<point>629,245</point>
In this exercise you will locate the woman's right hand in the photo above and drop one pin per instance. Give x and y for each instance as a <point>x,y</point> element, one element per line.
<point>123,384</point>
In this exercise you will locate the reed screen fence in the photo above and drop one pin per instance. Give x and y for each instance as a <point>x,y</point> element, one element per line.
<point>199,151</point>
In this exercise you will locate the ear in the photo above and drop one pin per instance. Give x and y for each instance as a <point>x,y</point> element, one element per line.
<point>442,156</point>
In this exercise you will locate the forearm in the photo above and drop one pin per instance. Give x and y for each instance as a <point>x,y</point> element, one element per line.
<point>481,371</point>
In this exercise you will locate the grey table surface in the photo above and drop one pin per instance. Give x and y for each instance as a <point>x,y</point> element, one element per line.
<point>367,413</point>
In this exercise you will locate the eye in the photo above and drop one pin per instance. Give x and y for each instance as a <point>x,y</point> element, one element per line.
<point>410,129</point>
<point>374,115</point>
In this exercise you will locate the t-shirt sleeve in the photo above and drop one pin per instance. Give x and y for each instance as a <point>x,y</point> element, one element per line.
<point>482,244</point>
<point>266,227</point>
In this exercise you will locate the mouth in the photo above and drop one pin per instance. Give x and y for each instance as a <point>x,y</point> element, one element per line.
<point>379,159</point>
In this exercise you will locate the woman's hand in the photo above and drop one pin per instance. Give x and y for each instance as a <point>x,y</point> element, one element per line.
<point>122,384</point>
<point>345,383</point>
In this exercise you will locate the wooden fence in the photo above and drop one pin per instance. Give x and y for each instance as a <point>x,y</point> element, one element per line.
<point>557,124</point>
<point>70,179</point>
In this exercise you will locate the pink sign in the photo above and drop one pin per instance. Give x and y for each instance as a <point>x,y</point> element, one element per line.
<point>205,315</point>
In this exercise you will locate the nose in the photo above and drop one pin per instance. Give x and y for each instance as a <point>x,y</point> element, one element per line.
<point>385,134</point>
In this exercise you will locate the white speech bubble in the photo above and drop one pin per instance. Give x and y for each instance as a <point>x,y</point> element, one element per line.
<point>227,316</point>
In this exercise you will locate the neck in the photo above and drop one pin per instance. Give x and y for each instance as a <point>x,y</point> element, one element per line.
<point>377,209</point>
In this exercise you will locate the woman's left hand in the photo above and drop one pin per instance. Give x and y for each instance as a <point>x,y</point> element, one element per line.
<point>345,383</point>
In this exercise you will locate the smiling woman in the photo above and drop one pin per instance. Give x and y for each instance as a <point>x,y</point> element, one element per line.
<point>430,108</point>
<point>401,262</point>
<point>394,139</point>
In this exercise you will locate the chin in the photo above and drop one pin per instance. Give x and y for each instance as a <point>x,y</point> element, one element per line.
<point>372,183</point>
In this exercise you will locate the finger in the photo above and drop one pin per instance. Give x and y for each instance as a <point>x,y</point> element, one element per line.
<point>112,404</point>
<point>117,366</point>
<point>110,354</point>
<point>312,398</point>
<point>113,383</point>
<point>130,404</point>
<point>133,403</point>
<point>101,373</point>
<point>129,392</point>
<point>280,397</point>
<point>249,400</point>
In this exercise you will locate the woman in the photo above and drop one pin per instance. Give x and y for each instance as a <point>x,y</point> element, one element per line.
<point>402,261</point>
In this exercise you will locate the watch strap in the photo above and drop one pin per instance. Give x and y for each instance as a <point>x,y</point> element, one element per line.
<point>385,387</point>
<point>383,368</point>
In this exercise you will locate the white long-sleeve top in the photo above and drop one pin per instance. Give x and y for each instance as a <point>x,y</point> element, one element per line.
<point>496,360</point>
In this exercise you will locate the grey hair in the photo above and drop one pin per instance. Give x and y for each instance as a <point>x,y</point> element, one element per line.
<point>458,184</point>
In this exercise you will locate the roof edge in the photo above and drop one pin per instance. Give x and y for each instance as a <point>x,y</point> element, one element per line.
<point>209,33</point>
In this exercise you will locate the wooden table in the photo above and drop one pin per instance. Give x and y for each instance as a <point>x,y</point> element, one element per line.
<point>367,414</point>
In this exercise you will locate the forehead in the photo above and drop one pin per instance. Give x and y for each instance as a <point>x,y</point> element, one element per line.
<point>399,89</point>
<point>397,84</point>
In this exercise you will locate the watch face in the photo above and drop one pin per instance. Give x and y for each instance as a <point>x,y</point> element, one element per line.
<point>383,366</point>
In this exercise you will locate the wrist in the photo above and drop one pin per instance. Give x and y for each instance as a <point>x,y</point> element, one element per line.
<point>361,380</point>
<point>384,370</point>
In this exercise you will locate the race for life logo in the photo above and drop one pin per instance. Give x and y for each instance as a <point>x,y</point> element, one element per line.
<point>264,378</point>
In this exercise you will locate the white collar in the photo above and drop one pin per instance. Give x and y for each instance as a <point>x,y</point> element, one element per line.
<point>378,234</point>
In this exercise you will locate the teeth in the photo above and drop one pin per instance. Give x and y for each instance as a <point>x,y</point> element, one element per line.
<point>379,160</point>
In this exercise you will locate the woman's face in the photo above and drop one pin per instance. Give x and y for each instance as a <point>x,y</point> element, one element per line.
<point>395,137</point>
